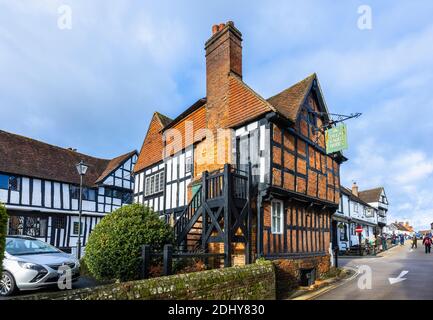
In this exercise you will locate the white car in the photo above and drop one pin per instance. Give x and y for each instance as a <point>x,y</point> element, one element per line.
<point>32,264</point>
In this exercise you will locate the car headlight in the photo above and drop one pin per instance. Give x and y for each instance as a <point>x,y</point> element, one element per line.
<point>32,266</point>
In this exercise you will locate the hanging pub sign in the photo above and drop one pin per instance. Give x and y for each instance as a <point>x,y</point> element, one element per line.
<point>336,139</point>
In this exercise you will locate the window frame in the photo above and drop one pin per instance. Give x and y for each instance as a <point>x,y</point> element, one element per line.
<point>8,185</point>
<point>355,207</point>
<point>154,183</point>
<point>188,165</point>
<point>277,218</point>
<point>77,223</point>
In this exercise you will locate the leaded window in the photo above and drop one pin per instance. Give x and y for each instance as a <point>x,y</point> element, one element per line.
<point>277,217</point>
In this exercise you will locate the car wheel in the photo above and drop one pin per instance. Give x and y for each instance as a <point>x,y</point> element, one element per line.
<point>7,284</point>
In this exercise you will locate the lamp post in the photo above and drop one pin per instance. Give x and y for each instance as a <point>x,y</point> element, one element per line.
<point>82,169</point>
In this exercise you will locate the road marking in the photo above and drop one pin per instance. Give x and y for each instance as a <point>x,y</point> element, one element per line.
<point>399,278</point>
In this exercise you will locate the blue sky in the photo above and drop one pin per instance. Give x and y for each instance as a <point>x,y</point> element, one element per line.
<point>94,87</point>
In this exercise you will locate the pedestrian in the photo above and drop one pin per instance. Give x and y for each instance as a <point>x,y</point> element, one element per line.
<point>367,246</point>
<point>373,245</point>
<point>378,241</point>
<point>427,243</point>
<point>384,244</point>
<point>414,242</point>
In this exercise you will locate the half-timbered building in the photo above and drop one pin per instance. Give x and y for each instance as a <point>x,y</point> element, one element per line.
<point>353,212</point>
<point>249,177</point>
<point>377,199</point>
<point>40,187</point>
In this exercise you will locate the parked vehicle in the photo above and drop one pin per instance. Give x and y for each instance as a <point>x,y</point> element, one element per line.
<point>31,264</point>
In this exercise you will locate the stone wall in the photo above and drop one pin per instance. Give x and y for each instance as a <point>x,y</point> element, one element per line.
<point>288,271</point>
<point>251,282</point>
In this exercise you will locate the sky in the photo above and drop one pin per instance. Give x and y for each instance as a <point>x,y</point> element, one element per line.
<point>92,82</point>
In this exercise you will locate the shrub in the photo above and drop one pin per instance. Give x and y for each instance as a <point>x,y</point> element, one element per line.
<point>114,247</point>
<point>3,229</point>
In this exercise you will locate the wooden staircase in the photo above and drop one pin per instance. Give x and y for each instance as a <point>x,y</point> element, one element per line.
<point>219,212</point>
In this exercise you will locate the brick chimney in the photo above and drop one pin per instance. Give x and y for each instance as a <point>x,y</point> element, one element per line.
<point>223,57</point>
<point>355,189</point>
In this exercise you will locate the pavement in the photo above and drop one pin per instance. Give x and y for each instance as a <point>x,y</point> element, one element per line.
<point>397,274</point>
<point>82,282</point>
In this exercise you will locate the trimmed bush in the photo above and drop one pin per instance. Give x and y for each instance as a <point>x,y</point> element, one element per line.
<point>113,251</point>
<point>3,230</point>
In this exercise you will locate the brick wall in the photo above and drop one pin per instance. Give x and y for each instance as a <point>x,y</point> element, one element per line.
<point>251,282</point>
<point>288,272</point>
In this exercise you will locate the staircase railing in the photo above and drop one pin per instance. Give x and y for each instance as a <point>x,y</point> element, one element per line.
<point>214,187</point>
<point>187,214</point>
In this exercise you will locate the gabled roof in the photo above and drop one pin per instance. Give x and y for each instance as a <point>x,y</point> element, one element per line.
<point>152,148</point>
<point>199,103</point>
<point>289,101</point>
<point>165,121</point>
<point>372,195</point>
<point>114,164</point>
<point>349,193</point>
<point>28,157</point>
<point>244,103</point>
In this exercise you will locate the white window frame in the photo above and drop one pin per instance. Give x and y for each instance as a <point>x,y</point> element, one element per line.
<point>277,218</point>
<point>355,207</point>
<point>188,165</point>
<point>154,184</point>
<point>147,187</point>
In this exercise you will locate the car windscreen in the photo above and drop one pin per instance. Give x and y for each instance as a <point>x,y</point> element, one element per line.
<point>21,246</point>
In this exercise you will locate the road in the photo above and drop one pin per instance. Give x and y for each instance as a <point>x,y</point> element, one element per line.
<point>418,283</point>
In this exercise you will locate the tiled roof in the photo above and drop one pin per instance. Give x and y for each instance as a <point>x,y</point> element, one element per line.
<point>152,148</point>
<point>244,103</point>
<point>199,103</point>
<point>114,164</point>
<point>165,121</point>
<point>289,101</point>
<point>349,193</point>
<point>28,157</point>
<point>372,195</point>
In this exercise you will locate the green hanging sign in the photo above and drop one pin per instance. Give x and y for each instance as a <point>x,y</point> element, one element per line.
<point>336,139</point>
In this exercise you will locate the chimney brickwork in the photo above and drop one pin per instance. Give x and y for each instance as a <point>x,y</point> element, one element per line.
<point>223,57</point>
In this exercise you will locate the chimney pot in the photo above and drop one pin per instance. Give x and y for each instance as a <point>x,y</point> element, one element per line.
<point>221,26</point>
<point>214,29</point>
<point>355,189</point>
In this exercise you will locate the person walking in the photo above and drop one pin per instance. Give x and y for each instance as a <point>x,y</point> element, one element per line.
<point>427,243</point>
<point>402,240</point>
<point>384,244</point>
<point>414,242</point>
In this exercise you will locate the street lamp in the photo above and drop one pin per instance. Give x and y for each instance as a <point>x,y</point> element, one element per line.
<point>82,169</point>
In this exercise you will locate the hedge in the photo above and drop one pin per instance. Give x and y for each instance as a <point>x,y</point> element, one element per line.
<point>3,230</point>
<point>113,251</point>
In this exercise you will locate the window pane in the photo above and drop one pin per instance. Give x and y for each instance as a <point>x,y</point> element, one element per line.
<point>127,198</point>
<point>4,181</point>
<point>161,183</point>
<point>152,185</point>
<point>157,182</point>
<point>14,183</point>
<point>147,186</point>
<point>188,162</point>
